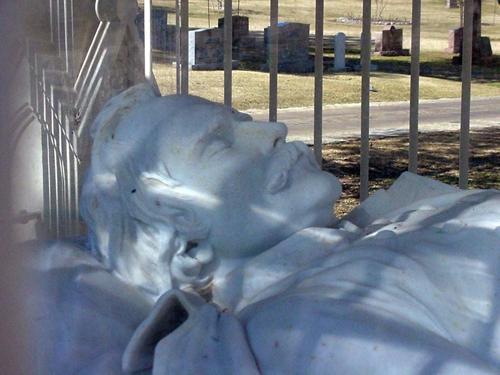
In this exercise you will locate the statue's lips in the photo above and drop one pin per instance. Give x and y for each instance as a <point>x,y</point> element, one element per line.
<point>285,157</point>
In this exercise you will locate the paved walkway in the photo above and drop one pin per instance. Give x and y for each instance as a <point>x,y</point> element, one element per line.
<point>343,121</point>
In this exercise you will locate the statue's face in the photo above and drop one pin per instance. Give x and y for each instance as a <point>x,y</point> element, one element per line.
<point>250,187</point>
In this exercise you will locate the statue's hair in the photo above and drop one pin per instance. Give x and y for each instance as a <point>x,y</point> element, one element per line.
<point>122,188</point>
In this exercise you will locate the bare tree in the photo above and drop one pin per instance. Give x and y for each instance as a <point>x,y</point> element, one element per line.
<point>380,6</point>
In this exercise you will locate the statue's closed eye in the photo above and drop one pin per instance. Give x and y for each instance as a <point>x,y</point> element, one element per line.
<point>215,146</point>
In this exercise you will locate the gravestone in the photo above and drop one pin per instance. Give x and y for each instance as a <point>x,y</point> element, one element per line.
<point>455,38</point>
<point>252,49</point>
<point>293,47</point>
<point>339,49</point>
<point>206,49</point>
<point>389,42</point>
<point>240,32</point>
<point>160,30</point>
<point>240,27</point>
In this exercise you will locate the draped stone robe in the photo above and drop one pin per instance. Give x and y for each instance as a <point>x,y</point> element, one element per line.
<point>409,283</point>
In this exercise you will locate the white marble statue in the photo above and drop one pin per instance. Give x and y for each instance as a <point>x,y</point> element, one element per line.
<point>213,249</point>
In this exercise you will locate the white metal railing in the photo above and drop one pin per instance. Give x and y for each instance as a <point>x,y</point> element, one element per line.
<point>466,83</point>
<point>414,85</point>
<point>318,82</point>
<point>228,52</point>
<point>365,82</point>
<point>65,98</point>
<point>366,47</point>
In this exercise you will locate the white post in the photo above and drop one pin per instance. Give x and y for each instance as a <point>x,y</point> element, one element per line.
<point>184,47</point>
<point>273,62</point>
<point>177,49</point>
<point>466,83</point>
<point>228,52</point>
<point>414,85</point>
<point>366,46</point>
<point>148,61</point>
<point>318,83</point>
<point>339,49</point>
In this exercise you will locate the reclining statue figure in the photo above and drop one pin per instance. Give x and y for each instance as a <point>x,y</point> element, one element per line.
<point>212,249</point>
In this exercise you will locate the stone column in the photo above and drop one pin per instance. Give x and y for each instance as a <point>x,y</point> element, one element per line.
<point>339,51</point>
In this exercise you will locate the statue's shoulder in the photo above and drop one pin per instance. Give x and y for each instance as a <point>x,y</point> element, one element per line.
<point>78,308</point>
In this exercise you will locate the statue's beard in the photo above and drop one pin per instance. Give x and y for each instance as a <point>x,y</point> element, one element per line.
<point>285,158</point>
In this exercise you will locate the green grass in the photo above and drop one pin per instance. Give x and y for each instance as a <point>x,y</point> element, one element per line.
<point>440,79</point>
<point>436,18</point>
<point>250,88</point>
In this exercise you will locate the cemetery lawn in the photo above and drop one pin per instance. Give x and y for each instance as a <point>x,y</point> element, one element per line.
<point>344,15</point>
<point>438,158</point>
<point>251,88</point>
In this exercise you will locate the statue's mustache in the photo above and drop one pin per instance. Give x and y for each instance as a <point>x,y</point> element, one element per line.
<point>283,160</point>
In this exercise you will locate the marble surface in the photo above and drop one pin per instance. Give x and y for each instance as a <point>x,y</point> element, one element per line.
<point>212,249</point>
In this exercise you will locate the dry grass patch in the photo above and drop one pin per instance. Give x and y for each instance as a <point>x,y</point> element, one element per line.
<point>251,89</point>
<point>438,158</point>
<point>436,18</point>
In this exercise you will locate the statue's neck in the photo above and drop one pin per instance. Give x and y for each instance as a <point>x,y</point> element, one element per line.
<point>141,260</point>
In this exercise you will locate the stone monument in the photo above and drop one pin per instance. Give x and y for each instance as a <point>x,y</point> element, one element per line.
<point>160,38</point>
<point>240,32</point>
<point>455,39</point>
<point>206,49</point>
<point>212,249</point>
<point>293,47</point>
<point>389,42</point>
<point>339,49</point>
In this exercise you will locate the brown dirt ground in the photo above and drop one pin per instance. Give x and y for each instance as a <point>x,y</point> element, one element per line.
<point>438,158</point>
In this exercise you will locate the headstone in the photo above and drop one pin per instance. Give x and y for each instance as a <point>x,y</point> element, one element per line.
<point>206,49</point>
<point>451,4</point>
<point>455,38</point>
<point>339,50</point>
<point>240,27</point>
<point>252,49</point>
<point>240,32</point>
<point>160,29</point>
<point>293,47</point>
<point>389,42</point>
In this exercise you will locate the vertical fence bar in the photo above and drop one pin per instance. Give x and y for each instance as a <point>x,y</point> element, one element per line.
<point>414,85</point>
<point>184,47</point>
<point>273,62</point>
<point>59,21</point>
<point>318,83</point>
<point>177,49</point>
<point>51,15</point>
<point>228,52</point>
<point>66,34</point>
<point>365,99</point>
<point>466,88</point>
<point>148,63</point>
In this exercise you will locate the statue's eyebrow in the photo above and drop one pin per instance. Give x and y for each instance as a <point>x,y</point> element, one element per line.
<point>220,124</point>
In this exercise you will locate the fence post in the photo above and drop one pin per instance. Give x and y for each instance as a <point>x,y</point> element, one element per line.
<point>273,62</point>
<point>148,64</point>
<point>365,99</point>
<point>414,85</point>
<point>177,49</point>
<point>466,86</point>
<point>184,47</point>
<point>228,52</point>
<point>318,83</point>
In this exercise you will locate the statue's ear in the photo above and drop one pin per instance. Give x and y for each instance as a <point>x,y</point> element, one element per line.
<point>118,106</point>
<point>165,200</point>
<point>171,311</point>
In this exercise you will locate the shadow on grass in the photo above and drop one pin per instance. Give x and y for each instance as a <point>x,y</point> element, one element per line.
<point>434,65</point>
<point>438,158</point>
